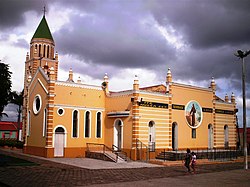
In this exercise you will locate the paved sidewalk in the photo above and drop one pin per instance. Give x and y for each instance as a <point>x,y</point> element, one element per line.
<point>233,178</point>
<point>77,172</point>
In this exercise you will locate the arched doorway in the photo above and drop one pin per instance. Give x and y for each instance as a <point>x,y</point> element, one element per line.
<point>59,142</point>
<point>210,136</point>
<point>174,136</point>
<point>118,128</point>
<point>151,135</point>
<point>226,143</point>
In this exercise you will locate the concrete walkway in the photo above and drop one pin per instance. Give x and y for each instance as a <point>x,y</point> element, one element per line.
<point>89,163</point>
<point>96,173</point>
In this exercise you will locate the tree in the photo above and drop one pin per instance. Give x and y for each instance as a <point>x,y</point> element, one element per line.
<point>5,86</point>
<point>17,99</point>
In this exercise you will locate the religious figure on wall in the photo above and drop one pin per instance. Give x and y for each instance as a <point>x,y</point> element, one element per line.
<point>193,113</point>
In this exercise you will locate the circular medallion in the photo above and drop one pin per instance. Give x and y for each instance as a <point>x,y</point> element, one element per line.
<point>193,114</point>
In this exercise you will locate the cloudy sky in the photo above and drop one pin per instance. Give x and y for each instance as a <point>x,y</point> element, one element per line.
<point>196,39</point>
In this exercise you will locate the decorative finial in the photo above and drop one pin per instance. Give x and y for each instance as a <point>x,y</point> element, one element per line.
<point>136,77</point>
<point>44,11</point>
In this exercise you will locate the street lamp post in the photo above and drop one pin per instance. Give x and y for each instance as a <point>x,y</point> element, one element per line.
<point>242,55</point>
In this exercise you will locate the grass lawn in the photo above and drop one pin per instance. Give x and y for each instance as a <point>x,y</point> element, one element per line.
<point>13,161</point>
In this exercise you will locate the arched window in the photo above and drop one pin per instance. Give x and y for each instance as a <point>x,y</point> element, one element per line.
<point>48,51</point>
<point>44,122</point>
<point>75,124</point>
<point>174,136</point>
<point>226,143</point>
<point>98,125</point>
<point>210,136</point>
<point>44,50</point>
<point>151,136</point>
<point>28,124</point>
<point>39,50</point>
<point>87,125</point>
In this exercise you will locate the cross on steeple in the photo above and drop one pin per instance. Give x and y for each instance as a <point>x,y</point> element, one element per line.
<point>44,10</point>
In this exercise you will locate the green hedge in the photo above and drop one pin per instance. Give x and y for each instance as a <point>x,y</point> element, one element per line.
<point>11,143</point>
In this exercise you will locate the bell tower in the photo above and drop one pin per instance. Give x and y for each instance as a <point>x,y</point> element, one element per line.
<point>41,55</point>
<point>42,51</point>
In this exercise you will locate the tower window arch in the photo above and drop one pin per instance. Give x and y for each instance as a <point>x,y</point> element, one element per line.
<point>48,51</point>
<point>44,50</point>
<point>39,50</point>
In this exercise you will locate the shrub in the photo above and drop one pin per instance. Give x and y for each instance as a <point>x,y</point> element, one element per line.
<point>11,143</point>
<point>19,144</point>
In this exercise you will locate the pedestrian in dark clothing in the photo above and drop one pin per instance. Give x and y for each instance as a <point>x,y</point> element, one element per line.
<point>188,159</point>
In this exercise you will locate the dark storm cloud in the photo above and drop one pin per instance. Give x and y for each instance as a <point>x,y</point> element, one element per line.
<point>123,38</point>
<point>206,23</point>
<point>107,36</point>
<point>12,12</point>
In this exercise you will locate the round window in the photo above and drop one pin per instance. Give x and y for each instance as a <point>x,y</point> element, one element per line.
<point>37,104</point>
<point>60,111</point>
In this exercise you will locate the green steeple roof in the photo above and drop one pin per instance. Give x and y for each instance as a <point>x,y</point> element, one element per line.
<point>43,31</point>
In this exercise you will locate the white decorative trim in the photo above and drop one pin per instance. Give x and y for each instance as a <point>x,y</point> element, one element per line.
<point>192,87</point>
<point>42,86</point>
<point>77,85</point>
<point>136,117</point>
<point>78,107</point>
<point>223,103</point>
<point>121,93</point>
<point>155,99</point>
<point>154,93</point>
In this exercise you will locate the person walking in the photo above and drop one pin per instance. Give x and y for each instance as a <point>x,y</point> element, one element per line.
<point>188,158</point>
<point>193,161</point>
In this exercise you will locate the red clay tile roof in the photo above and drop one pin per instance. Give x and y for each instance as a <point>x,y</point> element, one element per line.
<point>9,125</point>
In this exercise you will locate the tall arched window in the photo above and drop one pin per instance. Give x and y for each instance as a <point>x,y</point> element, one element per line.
<point>174,136</point>
<point>39,50</point>
<point>29,124</point>
<point>44,50</point>
<point>226,143</point>
<point>48,51</point>
<point>210,136</point>
<point>98,125</point>
<point>87,125</point>
<point>75,124</point>
<point>44,122</point>
<point>151,136</point>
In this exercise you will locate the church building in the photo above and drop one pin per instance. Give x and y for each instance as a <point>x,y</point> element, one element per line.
<point>68,118</point>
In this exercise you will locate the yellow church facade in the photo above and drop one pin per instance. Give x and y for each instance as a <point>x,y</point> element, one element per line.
<point>65,118</point>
